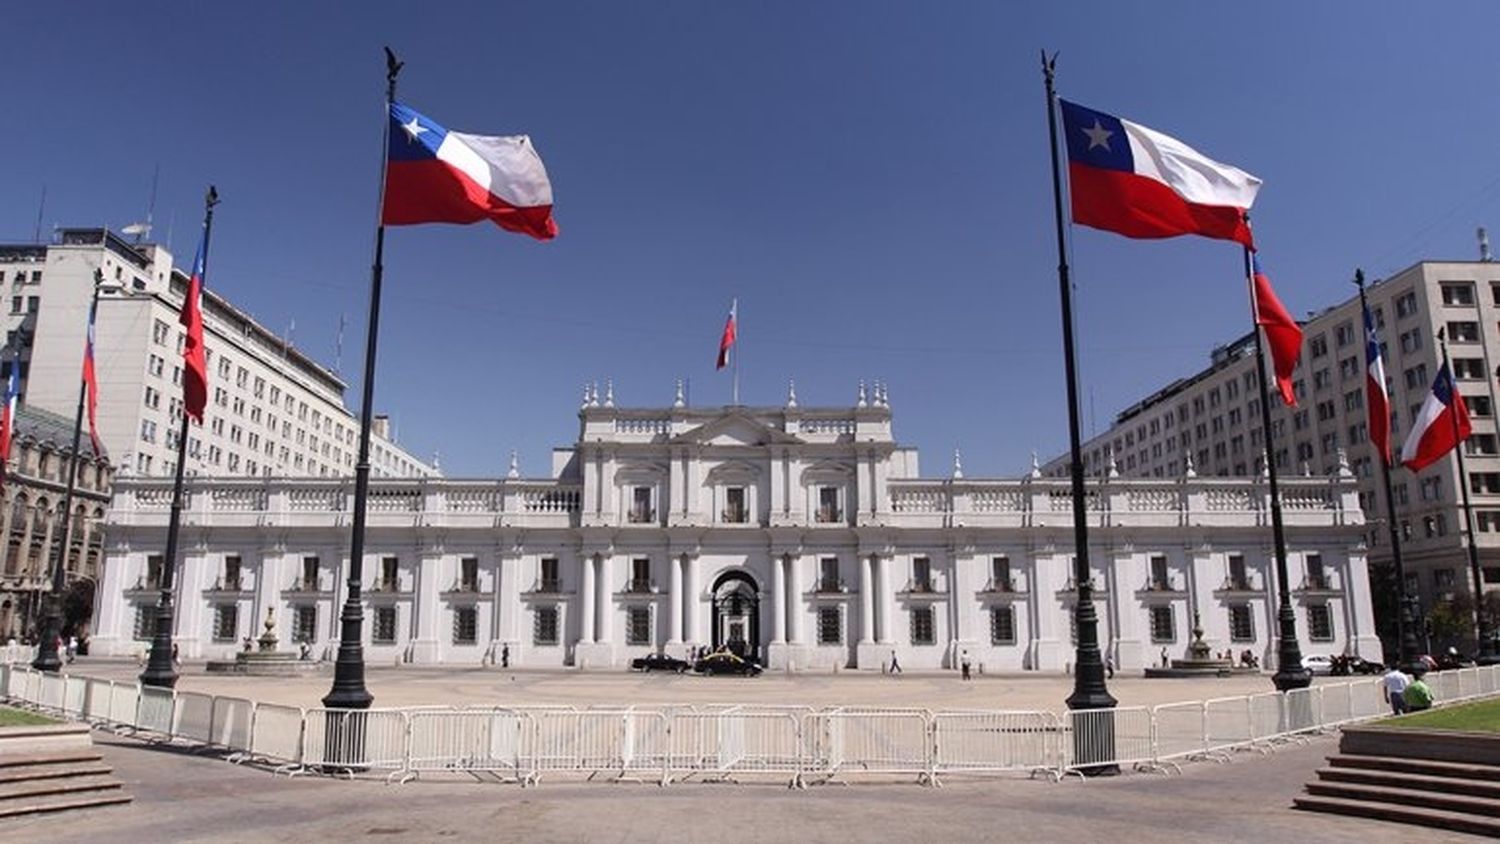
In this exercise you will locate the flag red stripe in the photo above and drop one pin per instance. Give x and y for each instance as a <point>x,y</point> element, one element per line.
<point>1282,335</point>
<point>432,191</point>
<point>194,362</point>
<point>1135,206</point>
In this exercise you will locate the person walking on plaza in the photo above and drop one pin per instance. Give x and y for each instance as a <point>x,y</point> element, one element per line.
<point>505,656</point>
<point>1417,695</point>
<point>1393,687</point>
<point>72,648</point>
<point>1163,657</point>
<point>965,667</point>
<point>895,666</point>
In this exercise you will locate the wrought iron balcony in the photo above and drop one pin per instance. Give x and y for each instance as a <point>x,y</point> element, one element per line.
<point>830,586</point>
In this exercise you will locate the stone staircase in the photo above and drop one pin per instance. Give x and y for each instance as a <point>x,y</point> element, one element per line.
<point>1393,780</point>
<point>56,781</point>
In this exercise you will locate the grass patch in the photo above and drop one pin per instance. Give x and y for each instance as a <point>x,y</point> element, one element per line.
<point>20,718</point>
<point>1481,717</point>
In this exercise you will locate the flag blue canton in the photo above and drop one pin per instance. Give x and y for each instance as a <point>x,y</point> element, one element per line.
<point>413,136</point>
<point>1095,138</point>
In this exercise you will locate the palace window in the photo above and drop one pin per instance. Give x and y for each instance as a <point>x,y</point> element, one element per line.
<point>544,630</point>
<point>309,574</point>
<point>231,572</point>
<point>922,632</point>
<point>226,622</point>
<point>735,509</point>
<point>468,574</point>
<point>638,626</point>
<point>1002,625</point>
<point>1241,623</point>
<point>1319,623</point>
<point>830,626</point>
<point>551,581</point>
<point>1239,577</point>
<point>640,575</point>
<point>1161,581</point>
<point>465,626</point>
<point>641,511</point>
<point>1317,578</point>
<point>921,574</point>
<point>828,575</point>
<point>389,581</point>
<point>384,632</point>
<point>154,565</point>
<point>305,623</point>
<point>1163,624</point>
<point>1000,575</point>
<point>828,505</point>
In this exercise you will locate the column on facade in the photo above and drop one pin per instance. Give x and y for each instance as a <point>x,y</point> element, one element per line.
<point>604,601</point>
<point>778,600</point>
<point>1128,649</point>
<point>694,603</point>
<point>1048,572</point>
<point>794,598</point>
<point>507,596</point>
<point>1201,581</point>
<point>959,593</point>
<point>866,600</point>
<point>193,576</point>
<point>267,578</point>
<point>586,599</point>
<point>1358,606</point>
<point>429,586</point>
<point>884,600</point>
<point>674,601</point>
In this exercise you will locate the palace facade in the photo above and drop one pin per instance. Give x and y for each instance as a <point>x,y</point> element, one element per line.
<point>805,538</point>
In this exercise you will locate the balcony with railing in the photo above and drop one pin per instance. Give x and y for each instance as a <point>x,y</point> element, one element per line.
<point>1317,584</point>
<point>307,588</point>
<point>830,587</point>
<point>1162,587</point>
<point>547,587</point>
<point>1002,587</point>
<point>638,587</point>
<point>921,588</point>
<point>227,588</point>
<point>1235,586</point>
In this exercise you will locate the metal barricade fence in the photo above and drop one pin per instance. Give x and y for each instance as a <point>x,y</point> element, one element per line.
<point>1118,736</point>
<point>124,705</point>
<point>1302,710</point>
<point>52,690</point>
<point>1365,700</point>
<point>471,740</point>
<point>1337,704</point>
<point>155,710</point>
<point>96,700</point>
<point>726,743</point>
<point>1267,718</point>
<point>1228,723</point>
<point>579,741</point>
<point>354,739</point>
<point>874,741</point>
<point>276,734</point>
<point>74,690</point>
<point>994,742</point>
<point>230,724</point>
<point>1181,729</point>
<point>192,717</point>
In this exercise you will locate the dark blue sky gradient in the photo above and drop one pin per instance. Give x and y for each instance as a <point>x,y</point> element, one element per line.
<point>869,178</point>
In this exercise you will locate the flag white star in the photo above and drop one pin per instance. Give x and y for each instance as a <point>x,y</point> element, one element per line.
<point>1098,136</point>
<point>413,129</point>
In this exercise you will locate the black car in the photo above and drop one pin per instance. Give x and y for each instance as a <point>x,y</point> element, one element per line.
<point>659,662</point>
<point>726,663</point>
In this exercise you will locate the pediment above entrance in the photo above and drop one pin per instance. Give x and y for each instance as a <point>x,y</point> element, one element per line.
<point>735,429</point>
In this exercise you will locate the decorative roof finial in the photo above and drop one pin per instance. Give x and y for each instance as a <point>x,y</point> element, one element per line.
<point>1306,469</point>
<point>791,393</point>
<point>585,394</point>
<point>1036,468</point>
<point>1112,470</point>
<point>437,461</point>
<point>958,465</point>
<point>862,402</point>
<point>609,392</point>
<point>593,394</point>
<point>1187,464</point>
<point>678,401</point>
<point>1344,471</point>
<point>880,400</point>
<point>515,466</point>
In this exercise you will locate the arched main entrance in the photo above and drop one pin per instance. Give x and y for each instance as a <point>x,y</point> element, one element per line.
<point>736,615</point>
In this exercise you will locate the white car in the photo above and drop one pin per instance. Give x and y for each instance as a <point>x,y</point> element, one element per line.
<point>1318,664</point>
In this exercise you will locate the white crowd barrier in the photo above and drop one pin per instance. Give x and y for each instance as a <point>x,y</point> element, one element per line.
<point>664,744</point>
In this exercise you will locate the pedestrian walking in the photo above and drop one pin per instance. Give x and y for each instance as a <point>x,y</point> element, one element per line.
<point>965,666</point>
<point>505,656</point>
<point>1393,688</point>
<point>895,666</point>
<point>1163,657</point>
<point>72,650</point>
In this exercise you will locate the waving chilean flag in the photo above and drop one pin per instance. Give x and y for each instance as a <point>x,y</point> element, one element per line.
<point>731,333</point>
<point>437,176</point>
<point>8,415</point>
<point>1441,424</point>
<point>194,361</point>
<point>91,381</point>
<point>1376,397</point>
<point>1282,333</point>
<point>1135,181</point>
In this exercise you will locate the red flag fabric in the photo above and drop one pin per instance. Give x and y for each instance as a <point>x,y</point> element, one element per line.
<point>1282,333</point>
<point>8,414</point>
<point>1441,424</point>
<point>731,331</point>
<point>91,382</point>
<point>194,361</point>
<point>1376,399</point>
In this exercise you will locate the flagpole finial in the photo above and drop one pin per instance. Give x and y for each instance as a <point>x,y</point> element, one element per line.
<point>791,393</point>
<point>958,465</point>
<point>862,402</point>
<point>677,400</point>
<point>515,466</point>
<point>392,70</point>
<point>211,198</point>
<point>1359,278</point>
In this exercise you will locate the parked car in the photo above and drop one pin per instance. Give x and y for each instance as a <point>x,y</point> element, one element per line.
<point>1344,666</point>
<point>726,663</point>
<point>1318,664</point>
<point>659,662</point>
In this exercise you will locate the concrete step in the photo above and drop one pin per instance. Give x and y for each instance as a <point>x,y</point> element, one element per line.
<point>1428,767</point>
<point>52,770</point>
<point>21,760</point>
<point>1417,782</point>
<point>1430,818</point>
<point>24,791</point>
<point>62,803</point>
<point>1400,794</point>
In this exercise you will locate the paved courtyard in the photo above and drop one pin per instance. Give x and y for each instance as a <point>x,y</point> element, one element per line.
<point>413,686</point>
<point>189,798</point>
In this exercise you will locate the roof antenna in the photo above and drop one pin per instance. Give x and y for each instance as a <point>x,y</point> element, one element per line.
<point>143,230</point>
<point>36,234</point>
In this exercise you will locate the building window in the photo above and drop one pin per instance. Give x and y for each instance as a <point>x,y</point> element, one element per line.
<point>640,575</point>
<point>1163,625</point>
<point>309,580</point>
<point>1442,579</point>
<point>1241,623</point>
<point>641,511</point>
<point>305,623</point>
<point>1161,581</point>
<point>465,626</point>
<point>830,626</point>
<point>1239,577</point>
<point>735,509</point>
<point>828,505</point>
<point>1458,293</point>
<point>385,626</point>
<point>828,575</point>
<point>153,571</point>
<point>544,631</point>
<point>1002,625</point>
<point>922,632</point>
<point>1406,304</point>
<point>921,574</point>
<point>1000,575</point>
<point>232,572</point>
<point>638,626</point>
<point>145,622</point>
<point>468,574</point>
<point>1492,574</point>
<point>389,581</point>
<point>551,581</point>
<point>1317,578</point>
<point>226,622</point>
<point>1319,623</point>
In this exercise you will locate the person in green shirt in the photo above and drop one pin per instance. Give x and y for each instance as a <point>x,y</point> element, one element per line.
<point>1418,695</point>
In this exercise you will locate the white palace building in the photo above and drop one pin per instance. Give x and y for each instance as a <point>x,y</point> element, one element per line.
<point>801,537</point>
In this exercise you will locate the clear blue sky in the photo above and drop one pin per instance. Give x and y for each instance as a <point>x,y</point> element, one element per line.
<point>869,178</point>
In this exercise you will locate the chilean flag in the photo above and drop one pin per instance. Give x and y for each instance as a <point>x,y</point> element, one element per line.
<point>1282,333</point>
<point>1441,424</point>
<point>8,415</point>
<point>1135,181</point>
<point>194,362</point>
<point>731,331</point>
<point>1376,397</point>
<point>437,176</point>
<point>91,382</point>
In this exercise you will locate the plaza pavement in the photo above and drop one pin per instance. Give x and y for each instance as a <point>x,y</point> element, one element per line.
<point>182,797</point>
<point>457,686</point>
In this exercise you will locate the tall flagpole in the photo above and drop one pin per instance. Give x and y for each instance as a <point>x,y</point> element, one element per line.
<point>1406,626</point>
<point>1089,689</point>
<point>160,670</point>
<point>1289,671</point>
<point>734,349</point>
<point>1484,640</point>
<point>47,658</point>
<point>349,690</point>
